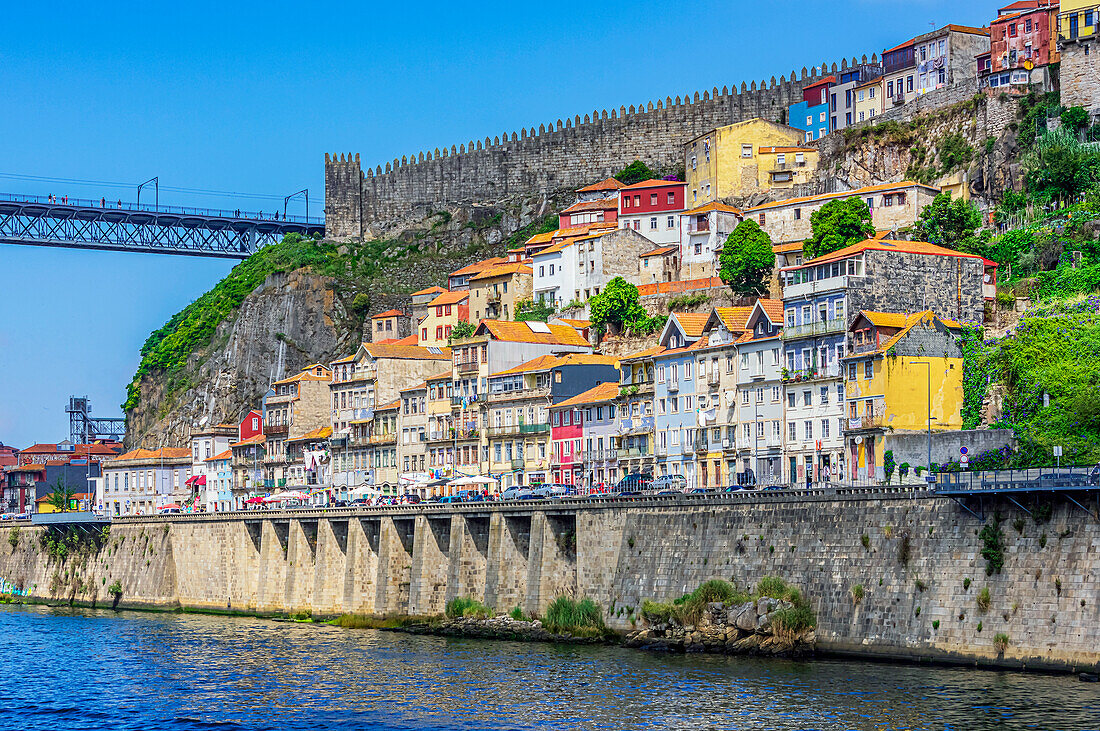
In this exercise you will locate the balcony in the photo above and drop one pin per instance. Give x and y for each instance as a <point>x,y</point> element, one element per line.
<point>275,430</point>
<point>378,439</point>
<point>1073,25</point>
<point>510,429</point>
<point>713,378</point>
<point>701,444</point>
<point>780,167</point>
<point>632,453</point>
<point>517,463</point>
<point>699,227</point>
<point>525,393</point>
<point>469,399</point>
<point>468,433</point>
<point>468,367</point>
<point>674,385</point>
<point>492,297</point>
<point>810,329</point>
<point>729,446</point>
<point>866,422</point>
<point>599,455</point>
<point>806,375</point>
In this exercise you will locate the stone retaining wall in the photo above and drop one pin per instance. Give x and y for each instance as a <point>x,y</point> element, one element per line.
<point>913,556</point>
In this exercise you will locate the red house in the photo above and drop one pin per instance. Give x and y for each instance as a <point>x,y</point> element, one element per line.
<point>566,430</point>
<point>1023,40</point>
<point>818,92</point>
<point>652,208</point>
<point>251,425</point>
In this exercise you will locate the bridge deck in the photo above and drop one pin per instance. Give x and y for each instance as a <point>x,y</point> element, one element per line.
<point>122,226</point>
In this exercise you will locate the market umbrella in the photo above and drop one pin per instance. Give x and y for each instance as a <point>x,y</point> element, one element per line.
<point>170,506</point>
<point>463,481</point>
<point>254,500</point>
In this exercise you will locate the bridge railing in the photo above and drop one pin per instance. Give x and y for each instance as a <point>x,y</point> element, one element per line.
<point>120,205</point>
<point>1029,480</point>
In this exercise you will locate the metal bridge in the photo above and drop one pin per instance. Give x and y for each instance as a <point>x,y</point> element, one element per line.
<point>84,428</point>
<point>1077,485</point>
<point>155,229</point>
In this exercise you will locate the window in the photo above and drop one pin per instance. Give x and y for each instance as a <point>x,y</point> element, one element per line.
<point>552,266</point>
<point>908,84</point>
<point>792,431</point>
<point>809,426</point>
<point>809,121</point>
<point>861,93</point>
<point>869,369</point>
<point>790,399</point>
<point>889,88</point>
<point>653,223</point>
<point>781,159</point>
<point>652,199</point>
<point>807,398</point>
<point>694,160</point>
<point>1027,25</point>
<point>671,223</point>
<point>824,428</point>
<point>775,393</point>
<point>671,198</point>
<point>1012,30</point>
<point>698,248</point>
<point>871,92</point>
<point>744,398</point>
<point>638,201</point>
<point>746,150</point>
<point>762,219</point>
<point>626,201</point>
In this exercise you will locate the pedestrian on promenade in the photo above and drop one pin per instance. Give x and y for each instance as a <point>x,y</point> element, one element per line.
<point>809,478</point>
<point>120,203</point>
<point>102,202</point>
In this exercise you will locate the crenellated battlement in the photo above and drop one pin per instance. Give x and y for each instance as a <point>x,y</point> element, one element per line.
<point>557,155</point>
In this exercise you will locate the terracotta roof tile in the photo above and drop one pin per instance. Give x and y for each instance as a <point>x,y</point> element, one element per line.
<point>257,439</point>
<point>391,406</point>
<point>449,298</point>
<point>684,285</point>
<point>503,270</point>
<point>653,183</point>
<point>605,184</point>
<point>734,318</point>
<point>787,248</point>
<point>436,289</point>
<point>597,205</point>
<point>520,332</point>
<point>770,150</point>
<point>445,375</point>
<point>691,323</point>
<point>901,247</point>
<point>543,238</point>
<point>579,324</point>
<point>645,353</point>
<point>478,266</point>
<point>659,251</point>
<point>388,313</point>
<point>147,455</point>
<point>405,352</point>
<point>712,206</point>
<point>220,456</point>
<point>323,432</point>
<point>598,394</point>
<point>885,319</point>
<point>900,46</point>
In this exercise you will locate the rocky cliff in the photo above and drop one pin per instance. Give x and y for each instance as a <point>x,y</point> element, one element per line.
<point>301,302</point>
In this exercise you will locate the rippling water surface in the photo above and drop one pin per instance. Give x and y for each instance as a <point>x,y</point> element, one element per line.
<point>86,669</point>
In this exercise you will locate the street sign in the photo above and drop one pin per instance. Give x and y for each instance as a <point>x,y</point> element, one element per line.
<point>1057,451</point>
<point>962,451</point>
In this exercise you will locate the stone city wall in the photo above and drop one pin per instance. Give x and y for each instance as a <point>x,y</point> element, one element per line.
<point>917,558</point>
<point>562,155</point>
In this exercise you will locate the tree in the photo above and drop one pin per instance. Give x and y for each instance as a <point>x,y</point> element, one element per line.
<point>747,259</point>
<point>617,303</point>
<point>837,224</point>
<point>461,330</point>
<point>888,465</point>
<point>61,496</point>
<point>948,223</point>
<point>538,310</point>
<point>635,172</point>
<point>1075,118</point>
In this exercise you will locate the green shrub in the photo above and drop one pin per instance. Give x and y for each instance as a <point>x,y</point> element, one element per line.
<point>658,612</point>
<point>518,615</point>
<point>565,615</point>
<point>966,584</point>
<point>992,547</point>
<point>686,301</point>
<point>788,623</point>
<point>983,599</point>
<point>935,624</point>
<point>857,593</point>
<point>1000,642</point>
<point>13,537</point>
<point>866,541</point>
<point>464,606</point>
<point>115,589</point>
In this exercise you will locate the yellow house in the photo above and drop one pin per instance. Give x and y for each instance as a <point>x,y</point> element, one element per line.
<point>495,291</point>
<point>868,100</point>
<point>726,161</point>
<point>785,167</point>
<point>902,369</point>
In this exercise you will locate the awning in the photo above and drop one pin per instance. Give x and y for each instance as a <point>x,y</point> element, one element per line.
<point>196,480</point>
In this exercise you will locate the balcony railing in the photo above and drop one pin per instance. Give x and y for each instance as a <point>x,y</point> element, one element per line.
<point>713,378</point>
<point>813,374</point>
<point>523,393</point>
<point>276,429</point>
<point>699,227</point>
<point>383,439</point>
<point>867,421</point>
<point>821,327</point>
<point>510,429</point>
<point>468,367</point>
<point>517,463</point>
<point>793,165</point>
<point>470,399</point>
<point>599,455</point>
<point>467,434</point>
<point>632,452</point>
<point>1075,24</point>
<point>674,384</point>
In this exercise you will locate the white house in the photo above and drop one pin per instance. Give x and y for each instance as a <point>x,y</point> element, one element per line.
<point>703,231</point>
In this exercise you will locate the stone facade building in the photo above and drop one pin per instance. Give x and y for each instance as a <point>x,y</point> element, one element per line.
<point>1078,44</point>
<point>893,206</point>
<point>495,291</point>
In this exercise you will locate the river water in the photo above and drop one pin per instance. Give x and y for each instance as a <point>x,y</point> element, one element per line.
<point>89,669</point>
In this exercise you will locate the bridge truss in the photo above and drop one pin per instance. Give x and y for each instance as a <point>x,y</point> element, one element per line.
<point>111,226</point>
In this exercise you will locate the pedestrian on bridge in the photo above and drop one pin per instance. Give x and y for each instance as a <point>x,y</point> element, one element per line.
<point>102,202</point>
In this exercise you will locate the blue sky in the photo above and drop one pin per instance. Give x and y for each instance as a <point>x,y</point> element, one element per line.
<point>247,98</point>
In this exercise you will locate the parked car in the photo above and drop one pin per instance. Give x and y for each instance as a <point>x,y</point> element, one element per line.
<point>633,484</point>
<point>669,482</point>
<point>451,498</point>
<point>698,491</point>
<point>513,492</point>
<point>338,503</point>
<point>670,492</point>
<point>410,499</point>
<point>7,516</point>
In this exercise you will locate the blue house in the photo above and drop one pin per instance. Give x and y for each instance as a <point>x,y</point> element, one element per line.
<point>675,401</point>
<point>813,120</point>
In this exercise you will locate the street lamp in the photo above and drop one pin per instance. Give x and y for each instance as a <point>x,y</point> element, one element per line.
<point>156,188</point>
<point>286,201</point>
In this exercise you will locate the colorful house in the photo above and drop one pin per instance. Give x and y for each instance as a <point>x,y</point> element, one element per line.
<point>1079,50</point>
<point>599,427</point>
<point>652,208</point>
<point>812,115</point>
<point>724,162</point>
<point>1022,44</point>
<point>676,404</point>
<point>703,231</point>
<point>444,312</point>
<point>903,373</point>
